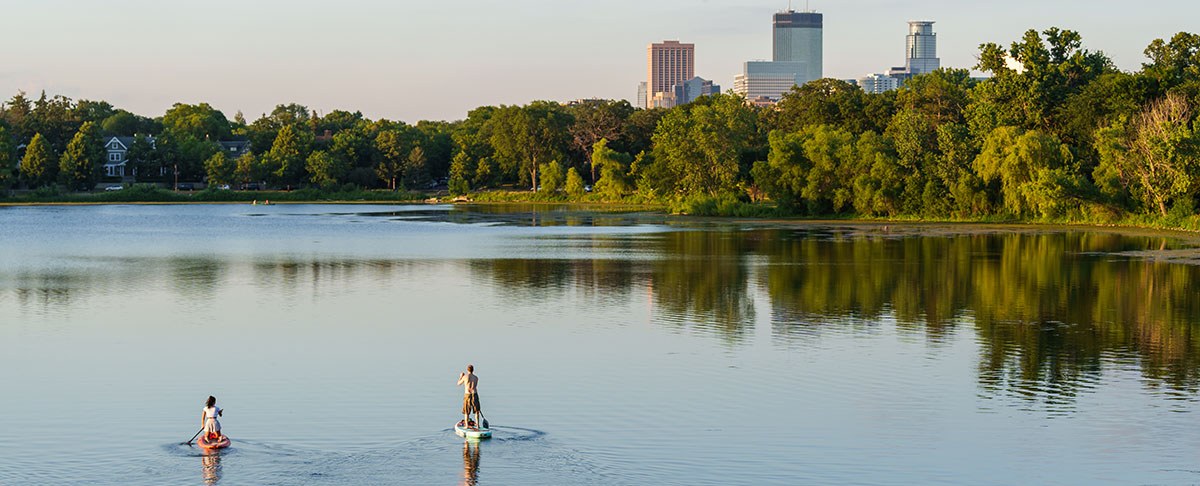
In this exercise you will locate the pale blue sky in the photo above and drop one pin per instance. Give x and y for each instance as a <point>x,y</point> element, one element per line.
<point>436,59</point>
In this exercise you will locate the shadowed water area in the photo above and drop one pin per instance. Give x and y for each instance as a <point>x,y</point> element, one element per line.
<point>612,348</point>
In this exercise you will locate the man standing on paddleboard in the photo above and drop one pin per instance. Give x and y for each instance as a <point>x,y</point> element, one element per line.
<point>470,384</point>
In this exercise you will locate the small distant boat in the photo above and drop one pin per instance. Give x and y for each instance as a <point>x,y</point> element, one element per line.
<point>210,444</point>
<point>470,431</point>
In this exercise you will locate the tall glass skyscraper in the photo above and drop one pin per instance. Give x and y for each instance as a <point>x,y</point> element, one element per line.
<point>798,38</point>
<point>920,48</point>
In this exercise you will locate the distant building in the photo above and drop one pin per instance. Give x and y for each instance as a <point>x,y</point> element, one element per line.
<point>878,83</point>
<point>641,96</point>
<point>117,158</point>
<point>797,57</point>
<point>798,37</point>
<point>920,48</point>
<point>667,64</point>
<point>236,149</point>
<point>767,79</point>
<point>692,89</point>
<point>762,102</point>
<point>920,57</point>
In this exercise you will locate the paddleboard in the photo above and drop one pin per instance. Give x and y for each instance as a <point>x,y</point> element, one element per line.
<point>471,432</point>
<point>208,444</point>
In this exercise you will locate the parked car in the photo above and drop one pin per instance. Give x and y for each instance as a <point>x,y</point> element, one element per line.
<point>253,186</point>
<point>223,187</point>
<point>114,188</point>
<point>184,186</point>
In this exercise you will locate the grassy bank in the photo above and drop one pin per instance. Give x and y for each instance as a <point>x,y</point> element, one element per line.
<point>733,207</point>
<point>700,206</point>
<point>154,194</point>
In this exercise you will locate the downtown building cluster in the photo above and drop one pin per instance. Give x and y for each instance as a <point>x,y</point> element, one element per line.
<point>797,58</point>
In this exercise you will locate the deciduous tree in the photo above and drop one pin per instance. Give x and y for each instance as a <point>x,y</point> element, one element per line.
<point>83,159</point>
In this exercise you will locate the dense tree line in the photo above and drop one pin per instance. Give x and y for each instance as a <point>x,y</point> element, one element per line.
<point>1056,131</point>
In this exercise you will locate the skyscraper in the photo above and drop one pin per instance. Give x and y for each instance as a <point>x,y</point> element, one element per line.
<point>920,48</point>
<point>797,57</point>
<point>798,37</point>
<point>668,63</point>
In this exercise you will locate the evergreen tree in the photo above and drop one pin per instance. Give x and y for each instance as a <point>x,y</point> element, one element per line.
<point>220,170</point>
<point>39,167</point>
<point>459,175</point>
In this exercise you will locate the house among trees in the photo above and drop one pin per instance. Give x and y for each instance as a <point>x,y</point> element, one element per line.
<point>235,149</point>
<point>116,162</point>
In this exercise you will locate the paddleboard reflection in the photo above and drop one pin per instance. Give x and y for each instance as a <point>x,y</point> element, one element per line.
<point>210,466</point>
<point>470,463</point>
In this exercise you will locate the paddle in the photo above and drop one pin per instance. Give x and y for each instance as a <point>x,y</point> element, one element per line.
<point>189,442</point>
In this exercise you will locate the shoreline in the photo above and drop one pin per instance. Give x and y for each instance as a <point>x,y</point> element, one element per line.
<point>632,207</point>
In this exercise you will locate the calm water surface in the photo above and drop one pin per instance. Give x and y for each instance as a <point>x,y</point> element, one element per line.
<point>611,348</point>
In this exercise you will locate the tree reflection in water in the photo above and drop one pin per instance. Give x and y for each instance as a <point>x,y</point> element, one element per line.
<point>1049,309</point>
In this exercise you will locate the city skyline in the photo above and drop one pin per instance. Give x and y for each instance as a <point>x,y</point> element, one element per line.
<point>416,60</point>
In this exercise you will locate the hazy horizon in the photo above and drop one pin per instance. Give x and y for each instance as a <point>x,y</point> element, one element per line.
<point>406,60</point>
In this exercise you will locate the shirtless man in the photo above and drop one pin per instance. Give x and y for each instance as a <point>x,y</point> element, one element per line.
<point>470,384</point>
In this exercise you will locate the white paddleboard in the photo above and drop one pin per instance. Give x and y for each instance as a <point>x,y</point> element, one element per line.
<point>471,432</point>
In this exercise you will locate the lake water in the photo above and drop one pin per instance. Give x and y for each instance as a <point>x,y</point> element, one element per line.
<point>611,348</point>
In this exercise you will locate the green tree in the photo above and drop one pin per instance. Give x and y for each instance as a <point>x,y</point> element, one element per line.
<point>144,159</point>
<point>823,102</point>
<point>595,121</point>
<point>220,169</point>
<point>1032,171</point>
<point>525,137</point>
<point>1157,155</point>
<point>416,170</point>
<point>39,167</point>
<point>614,168</point>
<point>485,173</point>
<point>250,168</point>
<point>6,158</point>
<point>700,146</point>
<point>1175,62</point>
<point>392,149</point>
<point>460,175</point>
<point>552,178</point>
<point>288,155</point>
<point>202,121</point>
<point>83,160</point>
<point>324,169</point>
<point>574,185</point>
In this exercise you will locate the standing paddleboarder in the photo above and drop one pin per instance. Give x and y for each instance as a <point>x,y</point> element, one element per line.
<point>470,384</point>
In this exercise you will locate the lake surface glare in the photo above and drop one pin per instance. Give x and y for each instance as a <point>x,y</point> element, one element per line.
<point>612,348</point>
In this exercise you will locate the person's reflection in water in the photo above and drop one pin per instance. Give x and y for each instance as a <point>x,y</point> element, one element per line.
<point>210,466</point>
<point>470,463</point>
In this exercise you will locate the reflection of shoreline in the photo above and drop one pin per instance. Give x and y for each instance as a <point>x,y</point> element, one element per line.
<point>470,463</point>
<point>210,466</point>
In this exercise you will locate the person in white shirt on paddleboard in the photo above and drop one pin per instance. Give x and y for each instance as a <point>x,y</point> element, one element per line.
<point>208,419</point>
<point>470,384</point>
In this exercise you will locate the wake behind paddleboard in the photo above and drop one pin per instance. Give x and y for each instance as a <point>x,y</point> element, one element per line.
<point>471,432</point>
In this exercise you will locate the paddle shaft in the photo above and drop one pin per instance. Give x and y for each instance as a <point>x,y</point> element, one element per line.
<point>189,442</point>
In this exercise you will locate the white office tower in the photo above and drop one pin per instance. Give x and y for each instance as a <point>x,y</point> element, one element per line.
<point>878,83</point>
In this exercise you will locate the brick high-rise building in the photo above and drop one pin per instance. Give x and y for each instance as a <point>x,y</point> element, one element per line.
<point>667,63</point>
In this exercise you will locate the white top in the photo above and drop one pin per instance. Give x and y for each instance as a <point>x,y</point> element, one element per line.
<point>211,412</point>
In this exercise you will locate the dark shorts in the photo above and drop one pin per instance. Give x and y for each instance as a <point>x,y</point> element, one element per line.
<point>471,403</point>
